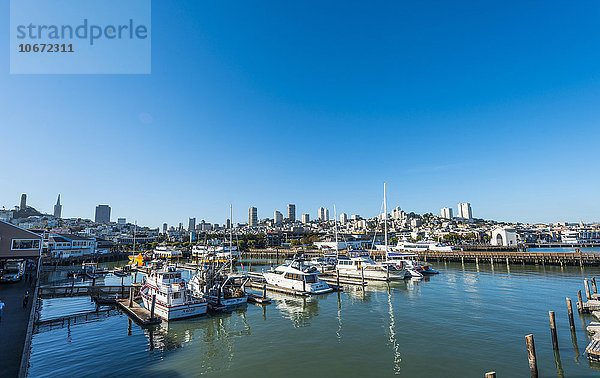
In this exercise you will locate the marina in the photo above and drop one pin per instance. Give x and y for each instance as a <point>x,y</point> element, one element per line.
<point>383,317</point>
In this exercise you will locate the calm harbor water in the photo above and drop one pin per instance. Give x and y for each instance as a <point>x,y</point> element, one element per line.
<point>461,323</point>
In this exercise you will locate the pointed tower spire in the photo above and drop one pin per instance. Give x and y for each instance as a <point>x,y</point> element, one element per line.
<point>58,201</point>
<point>58,208</point>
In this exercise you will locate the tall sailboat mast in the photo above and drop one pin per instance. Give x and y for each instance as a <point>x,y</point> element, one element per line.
<point>231,238</point>
<point>134,229</point>
<point>385,219</point>
<point>337,252</point>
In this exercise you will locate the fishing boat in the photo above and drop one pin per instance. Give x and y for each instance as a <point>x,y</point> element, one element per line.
<point>173,300</point>
<point>297,276</point>
<point>221,291</point>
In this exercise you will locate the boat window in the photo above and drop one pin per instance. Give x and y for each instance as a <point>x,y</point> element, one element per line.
<point>176,295</point>
<point>311,278</point>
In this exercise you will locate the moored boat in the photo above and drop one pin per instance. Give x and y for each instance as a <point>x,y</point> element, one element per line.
<point>173,298</point>
<point>297,276</point>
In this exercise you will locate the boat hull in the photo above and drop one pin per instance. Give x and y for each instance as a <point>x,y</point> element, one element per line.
<point>176,312</point>
<point>308,288</point>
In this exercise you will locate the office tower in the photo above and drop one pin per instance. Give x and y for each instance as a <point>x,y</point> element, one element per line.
<point>397,213</point>
<point>446,212</point>
<point>228,224</point>
<point>464,210</point>
<point>165,228</point>
<point>277,217</point>
<point>291,215</point>
<point>323,214</point>
<point>305,218</point>
<point>252,217</point>
<point>23,202</point>
<point>121,221</point>
<point>57,208</point>
<point>102,214</point>
<point>192,225</point>
<point>343,218</point>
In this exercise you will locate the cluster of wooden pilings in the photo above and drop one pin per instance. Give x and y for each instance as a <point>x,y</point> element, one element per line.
<point>591,305</point>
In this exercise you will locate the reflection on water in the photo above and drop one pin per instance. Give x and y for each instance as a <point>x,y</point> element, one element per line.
<point>468,316</point>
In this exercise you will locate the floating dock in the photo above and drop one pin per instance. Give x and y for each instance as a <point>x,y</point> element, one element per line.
<point>138,313</point>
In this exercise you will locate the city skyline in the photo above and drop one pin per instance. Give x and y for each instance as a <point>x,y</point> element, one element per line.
<point>248,106</point>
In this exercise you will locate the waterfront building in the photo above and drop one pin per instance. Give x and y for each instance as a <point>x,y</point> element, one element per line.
<point>63,246</point>
<point>580,236</point>
<point>121,221</point>
<point>504,236</point>
<point>343,218</point>
<point>305,218</point>
<point>192,225</point>
<point>57,208</point>
<point>291,213</point>
<point>252,217</point>
<point>277,218</point>
<point>323,214</point>
<point>446,212</point>
<point>102,214</point>
<point>18,243</point>
<point>23,202</point>
<point>464,210</point>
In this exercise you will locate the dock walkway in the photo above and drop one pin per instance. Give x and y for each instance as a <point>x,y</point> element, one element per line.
<point>138,313</point>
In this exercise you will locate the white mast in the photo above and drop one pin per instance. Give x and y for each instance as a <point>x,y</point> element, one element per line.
<point>134,229</point>
<point>385,219</point>
<point>231,238</point>
<point>337,252</point>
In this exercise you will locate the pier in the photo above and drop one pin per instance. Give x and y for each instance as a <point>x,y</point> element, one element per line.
<point>138,313</point>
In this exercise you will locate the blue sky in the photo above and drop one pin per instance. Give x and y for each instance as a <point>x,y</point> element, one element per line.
<point>318,103</point>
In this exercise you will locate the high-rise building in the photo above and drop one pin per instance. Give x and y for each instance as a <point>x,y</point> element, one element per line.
<point>180,228</point>
<point>252,217</point>
<point>228,224</point>
<point>192,225</point>
<point>464,210</point>
<point>57,208</point>
<point>121,221</point>
<point>323,214</point>
<point>165,226</point>
<point>277,217</point>
<point>397,213</point>
<point>305,218</point>
<point>343,218</point>
<point>102,214</point>
<point>291,215</point>
<point>23,202</point>
<point>446,212</point>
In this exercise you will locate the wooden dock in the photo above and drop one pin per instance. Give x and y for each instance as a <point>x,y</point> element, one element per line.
<point>593,350</point>
<point>138,313</point>
<point>78,291</point>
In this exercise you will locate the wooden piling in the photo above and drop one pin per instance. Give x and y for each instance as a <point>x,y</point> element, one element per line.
<point>507,262</point>
<point>531,356</point>
<point>362,277</point>
<point>579,301</point>
<point>586,285</point>
<point>570,313</point>
<point>553,330</point>
<point>130,297</point>
<point>337,277</point>
<point>264,291</point>
<point>490,374</point>
<point>594,287</point>
<point>152,307</point>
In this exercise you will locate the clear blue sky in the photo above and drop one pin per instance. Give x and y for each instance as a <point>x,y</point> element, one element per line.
<point>320,102</point>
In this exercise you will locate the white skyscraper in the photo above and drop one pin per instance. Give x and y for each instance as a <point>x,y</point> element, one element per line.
<point>252,217</point>
<point>446,212</point>
<point>464,210</point>
<point>278,217</point>
<point>343,218</point>
<point>305,218</point>
<point>323,214</point>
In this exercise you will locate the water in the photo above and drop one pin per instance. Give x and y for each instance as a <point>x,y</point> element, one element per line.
<point>460,323</point>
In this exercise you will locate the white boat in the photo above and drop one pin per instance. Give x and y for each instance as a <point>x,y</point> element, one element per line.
<point>421,246</point>
<point>407,261</point>
<point>222,292</point>
<point>297,276</point>
<point>362,266</point>
<point>220,253</point>
<point>323,264</point>
<point>164,252</point>
<point>173,298</point>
